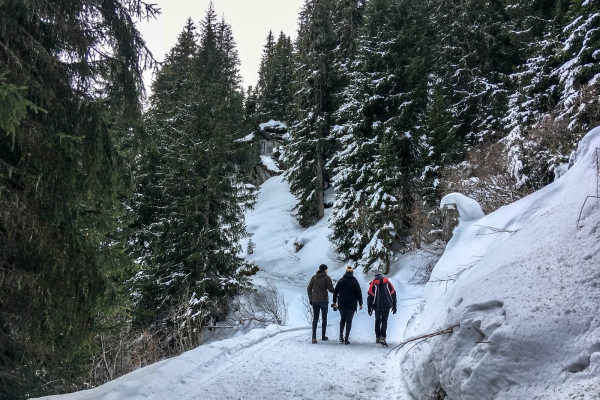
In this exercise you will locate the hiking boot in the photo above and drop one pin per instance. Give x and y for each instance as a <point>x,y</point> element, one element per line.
<point>314,340</point>
<point>378,339</point>
<point>324,338</point>
<point>346,341</point>
<point>341,339</point>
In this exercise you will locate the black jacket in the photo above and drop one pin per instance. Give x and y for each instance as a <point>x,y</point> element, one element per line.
<point>347,292</point>
<point>381,294</point>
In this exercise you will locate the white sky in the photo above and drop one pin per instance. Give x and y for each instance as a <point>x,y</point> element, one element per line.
<point>250,21</point>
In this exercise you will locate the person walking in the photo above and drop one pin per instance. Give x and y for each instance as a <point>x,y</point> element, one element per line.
<point>346,296</point>
<point>317,289</point>
<point>381,298</point>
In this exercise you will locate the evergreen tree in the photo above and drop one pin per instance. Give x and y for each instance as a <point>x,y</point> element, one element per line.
<point>196,119</point>
<point>380,138</point>
<point>274,76</point>
<point>318,80</point>
<point>579,69</point>
<point>474,57</point>
<point>71,87</point>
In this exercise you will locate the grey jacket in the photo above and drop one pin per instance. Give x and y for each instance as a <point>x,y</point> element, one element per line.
<point>318,286</point>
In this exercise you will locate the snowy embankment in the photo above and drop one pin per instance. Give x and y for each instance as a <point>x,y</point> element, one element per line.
<point>527,276</point>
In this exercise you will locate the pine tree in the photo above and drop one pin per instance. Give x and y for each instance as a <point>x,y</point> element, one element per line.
<point>380,138</point>
<point>579,69</point>
<point>305,153</point>
<point>196,119</point>
<point>318,80</point>
<point>274,77</point>
<point>71,87</point>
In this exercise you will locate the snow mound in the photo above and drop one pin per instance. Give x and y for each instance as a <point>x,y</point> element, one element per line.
<point>523,286</point>
<point>468,209</point>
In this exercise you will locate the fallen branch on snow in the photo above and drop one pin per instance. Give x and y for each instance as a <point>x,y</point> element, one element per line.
<point>447,331</point>
<point>495,230</point>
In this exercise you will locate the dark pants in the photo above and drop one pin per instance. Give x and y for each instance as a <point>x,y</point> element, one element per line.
<point>346,315</point>
<point>322,307</point>
<point>381,318</point>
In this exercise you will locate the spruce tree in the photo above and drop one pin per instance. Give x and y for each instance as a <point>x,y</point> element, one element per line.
<point>579,69</point>
<point>318,81</point>
<point>273,90</point>
<point>71,86</point>
<point>380,140</point>
<point>196,119</point>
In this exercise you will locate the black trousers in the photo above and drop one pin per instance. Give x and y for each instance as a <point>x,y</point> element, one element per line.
<point>319,307</point>
<point>346,315</point>
<point>381,321</point>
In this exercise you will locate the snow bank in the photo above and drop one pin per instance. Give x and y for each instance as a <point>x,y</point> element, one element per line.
<point>527,277</point>
<point>468,209</point>
<point>156,381</point>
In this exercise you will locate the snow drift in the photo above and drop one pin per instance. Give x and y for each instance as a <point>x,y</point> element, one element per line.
<point>527,277</point>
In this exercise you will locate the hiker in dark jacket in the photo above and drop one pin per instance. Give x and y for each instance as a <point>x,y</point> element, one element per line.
<point>346,296</point>
<point>318,298</point>
<point>381,298</point>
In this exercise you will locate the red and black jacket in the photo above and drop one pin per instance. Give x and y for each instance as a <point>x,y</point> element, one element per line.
<point>381,294</point>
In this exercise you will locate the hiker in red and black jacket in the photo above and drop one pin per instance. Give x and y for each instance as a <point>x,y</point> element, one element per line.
<point>381,298</point>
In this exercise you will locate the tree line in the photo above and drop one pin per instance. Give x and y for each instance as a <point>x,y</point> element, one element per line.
<point>120,225</point>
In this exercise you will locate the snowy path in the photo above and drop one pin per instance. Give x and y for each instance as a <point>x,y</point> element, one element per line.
<point>289,366</point>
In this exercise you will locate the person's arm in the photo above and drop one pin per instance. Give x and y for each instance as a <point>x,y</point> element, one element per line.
<point>394,298</point>
<point>359,294</point>
<point>329,284</point>
<point>336,292</point>
<point>370,297</point>
<point>309,289</point>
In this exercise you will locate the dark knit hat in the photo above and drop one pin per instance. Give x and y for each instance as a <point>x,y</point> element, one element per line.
<point>322,267</point>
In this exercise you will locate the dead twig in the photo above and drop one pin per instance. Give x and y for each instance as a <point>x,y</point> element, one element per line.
<point>419,339</point>
<point>292,255</point>
<point>495,230</point>
<point>482,335</point>
<point>583,205</point>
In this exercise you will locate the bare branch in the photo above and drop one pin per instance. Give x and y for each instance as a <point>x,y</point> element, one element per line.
<point>419,339</point>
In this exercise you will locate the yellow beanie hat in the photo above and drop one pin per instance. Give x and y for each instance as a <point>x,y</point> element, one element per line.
<point>349,269</point>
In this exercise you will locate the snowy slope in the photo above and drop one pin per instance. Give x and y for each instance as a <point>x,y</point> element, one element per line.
<point>533,289</point>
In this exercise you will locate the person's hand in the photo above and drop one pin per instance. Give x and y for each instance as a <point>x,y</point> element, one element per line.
<point>394,310</point>
<point>360,308</point>
<point>370,312</point>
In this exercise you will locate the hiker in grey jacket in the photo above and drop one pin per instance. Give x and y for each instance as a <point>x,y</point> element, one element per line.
<point>318,298</point>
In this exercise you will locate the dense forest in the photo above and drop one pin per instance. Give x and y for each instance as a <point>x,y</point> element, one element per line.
<point>120,223</point>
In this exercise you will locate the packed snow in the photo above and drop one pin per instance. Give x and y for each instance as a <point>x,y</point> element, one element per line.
<point>525,276</point>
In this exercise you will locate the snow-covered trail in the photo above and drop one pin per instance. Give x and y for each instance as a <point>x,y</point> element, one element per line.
<point>275,364</point>
<point>290,367</point>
